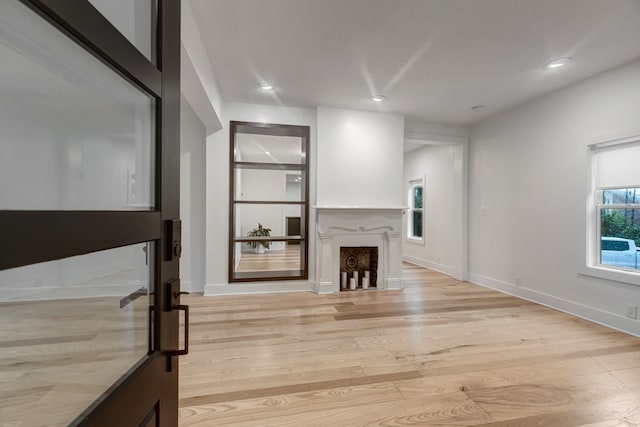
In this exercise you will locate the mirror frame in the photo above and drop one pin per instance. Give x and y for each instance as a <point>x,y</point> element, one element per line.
<point>271,129</point>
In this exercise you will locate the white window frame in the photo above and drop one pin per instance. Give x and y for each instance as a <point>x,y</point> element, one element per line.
<point>595,205</point>
<point>413,184</point>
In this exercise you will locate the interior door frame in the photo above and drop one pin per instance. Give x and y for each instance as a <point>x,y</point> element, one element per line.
<point>31,237</point>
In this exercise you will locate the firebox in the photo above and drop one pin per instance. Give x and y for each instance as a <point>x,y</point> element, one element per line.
<point>356,261</point>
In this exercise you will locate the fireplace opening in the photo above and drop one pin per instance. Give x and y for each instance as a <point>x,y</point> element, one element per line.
<point>361,264</point>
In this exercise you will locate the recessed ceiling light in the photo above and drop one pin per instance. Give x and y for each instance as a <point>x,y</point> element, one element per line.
<point>478,107</point>
<point>378,98</point>
<point>557,63</point>
<point>266,86</point>
<point>267,153</point>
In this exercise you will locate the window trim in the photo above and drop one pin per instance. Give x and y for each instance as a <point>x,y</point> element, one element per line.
<point>592,266</point>
<point>414,183</point>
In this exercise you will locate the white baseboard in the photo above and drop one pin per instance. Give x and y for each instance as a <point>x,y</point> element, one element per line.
<point>248,288</point>
<point>440,268</point>
<point>592,314</point>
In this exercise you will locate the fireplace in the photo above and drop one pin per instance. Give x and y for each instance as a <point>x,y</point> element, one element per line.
<point>361,260</point>
<point>372,234</point>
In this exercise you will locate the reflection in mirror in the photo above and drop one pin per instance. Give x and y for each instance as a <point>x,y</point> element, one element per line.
<point>293,190</point>
<point>273,217</point>
<point>268,256</point>
<point>268,149</point>
<point>268,185</point>
<point>269,199</point>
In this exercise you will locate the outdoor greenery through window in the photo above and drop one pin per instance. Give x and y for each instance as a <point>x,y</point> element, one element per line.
<point>416,213</point>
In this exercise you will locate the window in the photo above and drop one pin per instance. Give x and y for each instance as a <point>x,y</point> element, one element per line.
<point>618,213</point>
<point>615,220</point>
<point>415,229</point>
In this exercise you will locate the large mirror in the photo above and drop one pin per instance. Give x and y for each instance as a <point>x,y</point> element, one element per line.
<point>269,202</point>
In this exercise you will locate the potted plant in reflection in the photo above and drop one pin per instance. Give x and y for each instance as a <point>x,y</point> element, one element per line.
<point>260,246</point>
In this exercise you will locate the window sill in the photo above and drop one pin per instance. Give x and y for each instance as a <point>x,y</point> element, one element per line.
<point>628,277</point>
<point>415,241</point>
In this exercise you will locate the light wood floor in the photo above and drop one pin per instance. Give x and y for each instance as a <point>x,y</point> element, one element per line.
<point>57,357</point>
<point>271,260</point>
<point>440,352</point>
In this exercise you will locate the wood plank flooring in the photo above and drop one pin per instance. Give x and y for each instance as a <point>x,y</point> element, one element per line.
<point>440,352</point>
<point>271,260</point>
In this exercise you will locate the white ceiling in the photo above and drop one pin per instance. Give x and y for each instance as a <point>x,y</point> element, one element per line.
<point>433,59</point>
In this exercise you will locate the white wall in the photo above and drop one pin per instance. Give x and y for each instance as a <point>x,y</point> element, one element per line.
<point>192,198</point>
<point>528,173</point>
<point>217,171</point>
<point>434,164</point>
<point>359,158</point>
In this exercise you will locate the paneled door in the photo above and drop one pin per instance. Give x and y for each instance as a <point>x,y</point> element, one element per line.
<point>89,206</point>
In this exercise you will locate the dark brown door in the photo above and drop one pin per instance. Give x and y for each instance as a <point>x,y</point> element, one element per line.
<point>89,206</point>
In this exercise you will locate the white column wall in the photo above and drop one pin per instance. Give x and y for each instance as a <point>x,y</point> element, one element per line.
<point>359,158</point>
<point>192,198</point>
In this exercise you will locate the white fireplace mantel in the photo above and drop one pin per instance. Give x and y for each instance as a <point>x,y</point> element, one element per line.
<point>354,226</point>
<point>356,208</point>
